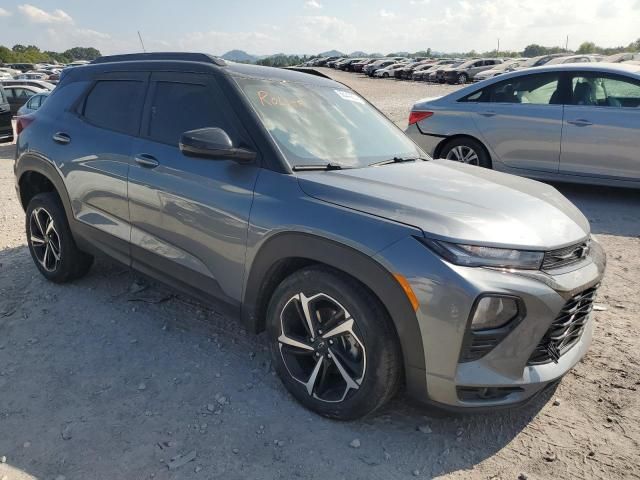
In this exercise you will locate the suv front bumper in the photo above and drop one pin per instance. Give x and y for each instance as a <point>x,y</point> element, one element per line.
<point>447,295</point>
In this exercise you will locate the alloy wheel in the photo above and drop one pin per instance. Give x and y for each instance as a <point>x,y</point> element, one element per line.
<point>464,154</point>
<point>321,347</point>
<point>44,239</point>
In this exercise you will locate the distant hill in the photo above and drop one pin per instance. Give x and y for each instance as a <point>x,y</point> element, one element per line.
<point>239,56</point>
<point>332,53</point>
<point>358,54</point>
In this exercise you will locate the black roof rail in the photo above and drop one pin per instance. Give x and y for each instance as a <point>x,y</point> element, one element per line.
<point>183,56</point>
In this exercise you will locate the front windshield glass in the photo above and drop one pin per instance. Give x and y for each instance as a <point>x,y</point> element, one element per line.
<point>315,125</point>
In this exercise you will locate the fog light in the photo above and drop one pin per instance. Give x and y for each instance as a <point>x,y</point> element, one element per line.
<point>494,312</point>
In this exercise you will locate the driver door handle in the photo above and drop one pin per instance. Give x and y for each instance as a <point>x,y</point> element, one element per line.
<point>488,113</point>
<point>146,160</point>
<point>580,122</point>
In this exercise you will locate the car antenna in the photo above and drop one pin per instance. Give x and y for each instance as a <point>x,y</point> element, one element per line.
<point>141,42</point>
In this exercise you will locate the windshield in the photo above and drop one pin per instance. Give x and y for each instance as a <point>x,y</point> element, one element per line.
<point>316,124</point>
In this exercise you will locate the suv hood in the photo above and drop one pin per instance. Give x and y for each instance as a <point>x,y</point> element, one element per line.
<point>456,202</point>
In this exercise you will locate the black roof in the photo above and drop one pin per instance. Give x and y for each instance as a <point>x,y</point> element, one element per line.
<point>201,62</point>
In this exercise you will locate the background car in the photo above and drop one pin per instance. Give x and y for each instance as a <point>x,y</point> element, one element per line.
<point>422,73</point>
<point>575,59</point>
<point>358,66</point>
<point>622,57</point>
<point>406,72</point>
<point>439,74</point>
<point>506,66</point>
<point>389,70</point>
<point>373,67</point>
<point>466,71</point>
<point>42,84</point>
<point>32,76</point>
<point>18,95</point>
<point>539,60</point>
<point>33,104</point>
<point>6,129</point>
<point>572,122</point>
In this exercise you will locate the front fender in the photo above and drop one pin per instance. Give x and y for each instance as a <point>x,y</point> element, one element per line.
<point>350,261</point>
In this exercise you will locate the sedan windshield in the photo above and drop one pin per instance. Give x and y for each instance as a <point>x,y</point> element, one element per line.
<point>318,124</point>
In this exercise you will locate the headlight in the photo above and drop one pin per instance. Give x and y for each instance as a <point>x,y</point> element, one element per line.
<point>477,256</point>
<point>493,312</point>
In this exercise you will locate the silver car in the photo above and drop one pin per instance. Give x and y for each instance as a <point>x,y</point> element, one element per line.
<point>33,104</point>
<point>575,122</point>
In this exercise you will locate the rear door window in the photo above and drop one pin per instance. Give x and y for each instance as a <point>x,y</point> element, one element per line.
<point>604,90</point>
<point>115,105</point>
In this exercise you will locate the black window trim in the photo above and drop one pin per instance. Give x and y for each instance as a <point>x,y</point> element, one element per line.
<point>597,74</point>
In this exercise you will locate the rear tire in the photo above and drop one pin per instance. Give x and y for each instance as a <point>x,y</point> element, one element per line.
<point>463,78</point>
<point>50,241</point>
<point>466,150</point>
<point>344,375</point>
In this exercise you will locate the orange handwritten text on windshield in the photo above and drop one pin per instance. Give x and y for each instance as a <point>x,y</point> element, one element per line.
<point>270,100</point>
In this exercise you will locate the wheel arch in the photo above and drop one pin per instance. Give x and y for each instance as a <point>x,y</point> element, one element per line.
<point>287,252</point>
<point>35,174</point>
<point>445,141</point>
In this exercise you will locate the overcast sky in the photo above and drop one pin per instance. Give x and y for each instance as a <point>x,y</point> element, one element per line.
<point>313,26</point>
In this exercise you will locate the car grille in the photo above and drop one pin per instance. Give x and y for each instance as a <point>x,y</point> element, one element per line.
<point>566,329</point>
<point>563,257</point>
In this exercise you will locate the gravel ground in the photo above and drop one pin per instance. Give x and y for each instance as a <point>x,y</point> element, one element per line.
<point>116,377</point>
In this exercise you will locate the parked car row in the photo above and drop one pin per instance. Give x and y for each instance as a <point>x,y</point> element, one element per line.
<point>455,70</point>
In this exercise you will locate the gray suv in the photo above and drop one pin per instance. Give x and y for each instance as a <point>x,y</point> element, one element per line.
<point>290,199</point>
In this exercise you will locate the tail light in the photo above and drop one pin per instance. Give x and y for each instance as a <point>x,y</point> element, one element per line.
<point>23,122</point>
<point>415,117</point>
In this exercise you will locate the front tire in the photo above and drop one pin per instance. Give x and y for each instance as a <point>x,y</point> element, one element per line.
<point>50,241</point>
<point>463,78</point>
<point>466,150</point>
<point>333,344</point>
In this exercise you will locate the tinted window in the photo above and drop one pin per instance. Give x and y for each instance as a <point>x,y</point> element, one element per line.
<point>534,89</point>
<point>115,105</point>
<point>3,97</point>
<point>605,91</point>
<point>179,107</point>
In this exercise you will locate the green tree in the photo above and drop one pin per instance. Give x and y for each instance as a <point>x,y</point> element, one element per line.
<point>587,47</point>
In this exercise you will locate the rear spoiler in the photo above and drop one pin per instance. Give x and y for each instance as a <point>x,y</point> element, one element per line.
<point>310,71</point>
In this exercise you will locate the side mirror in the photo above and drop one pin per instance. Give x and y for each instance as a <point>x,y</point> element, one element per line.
<point>213,143</point>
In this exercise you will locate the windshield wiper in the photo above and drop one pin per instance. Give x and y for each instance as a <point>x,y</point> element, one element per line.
<point>323,166</point>
<point>395,160</point>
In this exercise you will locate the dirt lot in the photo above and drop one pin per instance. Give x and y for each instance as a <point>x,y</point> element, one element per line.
<point>112,377</point>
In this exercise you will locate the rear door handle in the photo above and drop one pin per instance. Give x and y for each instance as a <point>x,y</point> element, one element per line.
<point>489,113</point>
<point>61,137</point>
<point>580,122</point>
<point>146,160</point>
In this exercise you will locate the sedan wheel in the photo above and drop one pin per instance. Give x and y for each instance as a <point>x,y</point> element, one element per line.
<point>464,154</point>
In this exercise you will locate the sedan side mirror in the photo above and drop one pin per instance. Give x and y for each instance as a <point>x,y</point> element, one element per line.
<point>215,144</point>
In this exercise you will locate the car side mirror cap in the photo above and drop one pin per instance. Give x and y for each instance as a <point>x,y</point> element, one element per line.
<point>215,144</point>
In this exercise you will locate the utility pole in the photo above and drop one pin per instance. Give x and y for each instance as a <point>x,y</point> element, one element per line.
<point>566,45</point>
<point>498,50</point>
<point>141,42</point>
